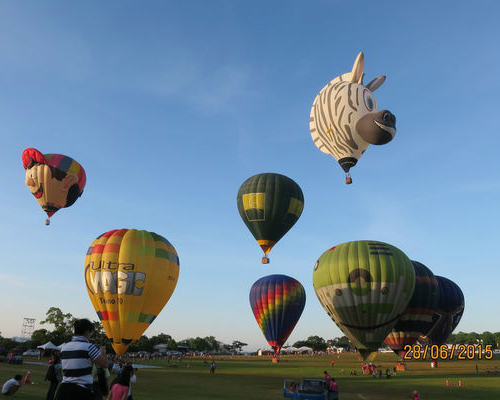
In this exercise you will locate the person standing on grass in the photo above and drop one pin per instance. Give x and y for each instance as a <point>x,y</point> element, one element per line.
<point>77,357</point>
<point>212,367</point>
<point>333,389</point>
<point>54,376</point>
<point>415,395</point>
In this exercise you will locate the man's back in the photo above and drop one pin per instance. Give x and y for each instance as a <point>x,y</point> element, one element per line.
<point>76,358</point>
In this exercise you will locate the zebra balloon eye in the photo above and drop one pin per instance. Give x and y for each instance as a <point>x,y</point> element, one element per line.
<point>369,100</point>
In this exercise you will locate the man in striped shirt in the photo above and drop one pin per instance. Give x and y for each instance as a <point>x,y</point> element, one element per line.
<point>77,357</point>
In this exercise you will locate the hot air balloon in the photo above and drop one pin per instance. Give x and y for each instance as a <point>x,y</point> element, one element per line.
<point>364,286</point>
<point>449,311</point>
<point>277,302</point>
<point>345,119</point>
<point>130,275</point>
<point>416,319</point>
<point>269,205</point>
<point>55,180</point>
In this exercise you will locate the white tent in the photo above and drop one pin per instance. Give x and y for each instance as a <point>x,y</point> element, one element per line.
<point>290,349</point>
<point>60,346</point>
<point>305,349</point>
<point>48,346</point>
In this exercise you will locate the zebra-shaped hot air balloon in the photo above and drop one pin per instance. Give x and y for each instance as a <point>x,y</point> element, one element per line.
<point>345,119</point>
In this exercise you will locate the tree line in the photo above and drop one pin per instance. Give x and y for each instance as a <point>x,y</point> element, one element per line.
<point>63,330</point>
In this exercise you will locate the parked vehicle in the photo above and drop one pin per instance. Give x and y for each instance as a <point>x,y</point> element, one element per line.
<point>32,353</point>
<point>306,389</point>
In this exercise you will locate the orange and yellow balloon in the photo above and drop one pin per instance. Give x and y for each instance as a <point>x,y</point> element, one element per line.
<point>130,275</point>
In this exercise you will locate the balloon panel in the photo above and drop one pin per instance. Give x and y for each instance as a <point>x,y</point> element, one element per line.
<point>449,311</point>
<point>416,319</point>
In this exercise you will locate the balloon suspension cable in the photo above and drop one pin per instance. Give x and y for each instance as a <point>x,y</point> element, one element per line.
<point>348,179</point>
<point>47,221</point>
<point>265,260</point>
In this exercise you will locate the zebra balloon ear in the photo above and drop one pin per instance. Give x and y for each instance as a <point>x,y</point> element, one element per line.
<point>357,68</point>
<point>375,83</point>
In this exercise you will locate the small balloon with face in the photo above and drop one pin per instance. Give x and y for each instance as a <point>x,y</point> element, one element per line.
<point>55,180</point>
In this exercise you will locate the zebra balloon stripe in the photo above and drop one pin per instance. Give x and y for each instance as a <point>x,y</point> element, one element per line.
<point>345,119</point>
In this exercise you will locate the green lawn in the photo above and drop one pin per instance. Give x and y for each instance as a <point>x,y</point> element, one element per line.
<point>257,378</point>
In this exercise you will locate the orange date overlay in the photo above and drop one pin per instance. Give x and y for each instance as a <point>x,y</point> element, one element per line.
<point>443,352</point>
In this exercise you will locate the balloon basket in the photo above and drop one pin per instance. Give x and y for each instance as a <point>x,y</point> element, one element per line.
<point>348,180</point>
<point>265,260</point>
<point>275,360</point>
<point>47,221</point>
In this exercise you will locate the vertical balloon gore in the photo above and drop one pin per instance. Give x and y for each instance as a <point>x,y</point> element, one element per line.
<point>416,319</point>
<point>130,276</point>
<point>449,310</point>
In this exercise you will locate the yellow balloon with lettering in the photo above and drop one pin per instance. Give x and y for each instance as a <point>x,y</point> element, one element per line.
<point>130,275</point>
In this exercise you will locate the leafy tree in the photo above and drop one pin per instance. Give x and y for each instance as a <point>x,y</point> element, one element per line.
<point>212,343</point>
<point>315,342</point>
<point>63,324</point>
<point>488,338</point>
<point>237,345</point>
<point>39,337</point>
<point>163,339</point>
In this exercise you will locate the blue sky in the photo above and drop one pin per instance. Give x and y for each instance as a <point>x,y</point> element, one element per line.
<point>170,106</point>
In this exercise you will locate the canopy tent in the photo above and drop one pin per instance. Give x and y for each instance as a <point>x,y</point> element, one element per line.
<point>60,346</point>
<point>304,349</point>
<point>289,349</point>
<point>48,346</point>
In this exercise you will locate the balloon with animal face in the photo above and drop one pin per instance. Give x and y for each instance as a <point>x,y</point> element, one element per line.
<point>130,275</point>
<point>55,180</point>
<point>345,118</point>
<point>364,286</point>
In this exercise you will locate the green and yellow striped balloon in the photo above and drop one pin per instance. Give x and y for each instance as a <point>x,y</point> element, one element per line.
<point>364,286</point>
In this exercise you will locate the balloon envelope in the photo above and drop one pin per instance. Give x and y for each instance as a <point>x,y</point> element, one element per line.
<point>416,319</point>
<point>269,205</point>
<point>55,180</point>
<point>364,286</point>
<point>277,303</point>
<point>345,119</point>
<point>130,275</point>
<point>449,311</point>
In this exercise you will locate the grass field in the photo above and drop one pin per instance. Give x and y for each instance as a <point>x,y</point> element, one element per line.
<point>257,378</point>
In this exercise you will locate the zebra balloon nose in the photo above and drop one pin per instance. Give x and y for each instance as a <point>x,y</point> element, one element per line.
<point>389,118</point>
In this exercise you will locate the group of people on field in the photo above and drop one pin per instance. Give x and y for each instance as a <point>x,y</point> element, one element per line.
<point>82,371</point>
<point>332,387</point>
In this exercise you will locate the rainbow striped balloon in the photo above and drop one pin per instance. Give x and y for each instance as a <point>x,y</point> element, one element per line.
<point>277,303</point>
<point>130,276</point>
